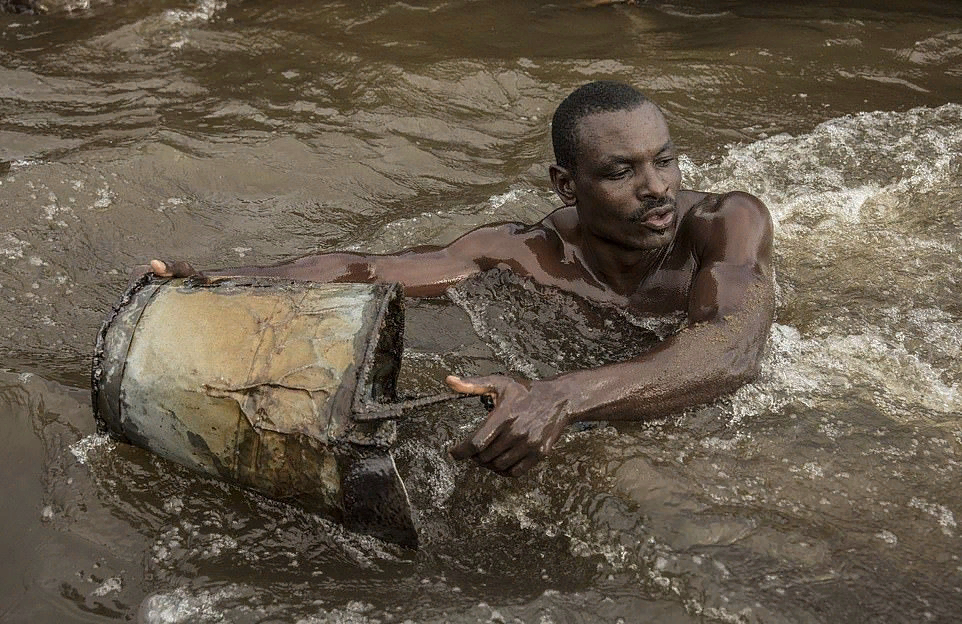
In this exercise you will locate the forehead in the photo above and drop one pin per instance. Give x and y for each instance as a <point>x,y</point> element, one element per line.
<point>638,132</point>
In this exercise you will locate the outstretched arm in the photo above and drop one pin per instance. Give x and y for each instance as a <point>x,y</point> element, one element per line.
<point>731,308</point>
<point>425,271</point>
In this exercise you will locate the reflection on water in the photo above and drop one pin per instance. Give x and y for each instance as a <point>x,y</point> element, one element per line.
<point>247,132</point>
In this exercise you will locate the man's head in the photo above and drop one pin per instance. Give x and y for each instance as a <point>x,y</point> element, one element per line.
<point>595,97</point>
<point>617,166</point>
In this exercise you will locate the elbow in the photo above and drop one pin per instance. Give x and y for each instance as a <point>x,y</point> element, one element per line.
<point>747,370</point>
<point>741,360</point>
<point>739,369</point>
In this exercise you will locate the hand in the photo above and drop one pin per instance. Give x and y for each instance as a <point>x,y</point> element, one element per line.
<point>162,268</point>
<point>527,419</point>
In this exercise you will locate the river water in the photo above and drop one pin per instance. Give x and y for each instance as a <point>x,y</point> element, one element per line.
<point>238,132</point>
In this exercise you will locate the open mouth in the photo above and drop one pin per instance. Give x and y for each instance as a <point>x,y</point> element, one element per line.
<point>659,218</point>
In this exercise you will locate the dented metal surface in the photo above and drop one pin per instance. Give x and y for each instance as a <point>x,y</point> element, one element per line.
<point>257,381</point>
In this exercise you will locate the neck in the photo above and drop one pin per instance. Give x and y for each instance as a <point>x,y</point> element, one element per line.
<point>622,270</point>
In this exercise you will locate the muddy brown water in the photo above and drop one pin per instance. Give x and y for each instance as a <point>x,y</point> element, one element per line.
<point>232,132</point>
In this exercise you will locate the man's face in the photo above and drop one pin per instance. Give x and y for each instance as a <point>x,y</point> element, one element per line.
<point>626,178</point>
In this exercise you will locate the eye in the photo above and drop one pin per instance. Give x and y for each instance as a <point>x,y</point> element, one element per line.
<point>620,174</point>
<point>665,162</point>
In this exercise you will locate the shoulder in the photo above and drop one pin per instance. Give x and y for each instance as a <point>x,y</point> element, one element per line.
<point>509,234</point>
<point>738,205</point>
<point>517,244</point>
<point>730,226</point>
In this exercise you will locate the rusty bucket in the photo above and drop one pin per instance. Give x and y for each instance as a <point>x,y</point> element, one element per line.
<point>281,386</point>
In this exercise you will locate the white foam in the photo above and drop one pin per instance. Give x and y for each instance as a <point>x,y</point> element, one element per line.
<point>203,11</point>
<point>888,537</point>
<point>174,505</point>
<point>829,365</point>
<point>842,162</point>
<point>109,586</point>
<point>82,448</point>
<point>181,607</point>
<point>941,513</point>
<point>105,197</point>
<point>498,201</point>
<point>12,247</point>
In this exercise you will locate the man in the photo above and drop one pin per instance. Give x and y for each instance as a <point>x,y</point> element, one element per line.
<point>626,235</point>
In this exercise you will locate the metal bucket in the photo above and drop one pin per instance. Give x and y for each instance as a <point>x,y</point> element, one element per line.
<point>279,385</point>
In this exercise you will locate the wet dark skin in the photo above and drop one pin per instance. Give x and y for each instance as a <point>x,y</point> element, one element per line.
<point>626,236</point>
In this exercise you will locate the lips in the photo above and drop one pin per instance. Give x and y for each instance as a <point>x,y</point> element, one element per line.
<point>658,219</point>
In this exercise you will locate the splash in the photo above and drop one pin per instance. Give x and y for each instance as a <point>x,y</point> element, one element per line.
<point>203,11</point>
<point>81,449</point>
<point>843,163</point>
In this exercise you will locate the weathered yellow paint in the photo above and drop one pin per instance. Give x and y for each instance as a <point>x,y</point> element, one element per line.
<point>254,381</point>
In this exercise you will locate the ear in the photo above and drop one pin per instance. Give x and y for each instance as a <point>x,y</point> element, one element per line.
<point>564,184</point>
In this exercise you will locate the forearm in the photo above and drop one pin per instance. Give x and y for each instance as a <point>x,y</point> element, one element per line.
<point>696,366</point>
<point>731,308</point>
<point>331,267</point>
<point>691,368</point>
<point>423,272</point>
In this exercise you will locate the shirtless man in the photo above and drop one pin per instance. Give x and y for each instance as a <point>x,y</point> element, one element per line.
<point>627,235</point>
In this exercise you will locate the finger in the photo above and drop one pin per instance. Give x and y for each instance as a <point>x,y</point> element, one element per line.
<point>159,268</point>
<point>523,466</point>
<point>481,438</point>
<point>463,450</point>
<point>507,460</point>
<point>498,447</point>
<point>471,385</point>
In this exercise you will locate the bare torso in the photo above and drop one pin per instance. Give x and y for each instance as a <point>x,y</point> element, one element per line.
<point>550,253</point>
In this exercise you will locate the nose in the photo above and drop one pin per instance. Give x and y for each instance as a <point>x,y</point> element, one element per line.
<point>653,183</point>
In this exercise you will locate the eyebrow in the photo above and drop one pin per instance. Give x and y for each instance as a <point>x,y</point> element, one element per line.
<point>617,160</point>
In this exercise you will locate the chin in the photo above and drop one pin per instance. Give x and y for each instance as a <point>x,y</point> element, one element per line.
<point>651,241</point>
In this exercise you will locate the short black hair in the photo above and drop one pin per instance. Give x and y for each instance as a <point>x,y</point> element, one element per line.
<point>603,96</point>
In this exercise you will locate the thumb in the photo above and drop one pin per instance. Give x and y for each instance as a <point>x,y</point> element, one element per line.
<point>159,268</point>
<point>474,385</point>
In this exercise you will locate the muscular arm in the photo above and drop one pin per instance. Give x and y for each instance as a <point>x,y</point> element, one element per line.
<point>730,310</point>
<point>425,271</point>
<point>731,307</point>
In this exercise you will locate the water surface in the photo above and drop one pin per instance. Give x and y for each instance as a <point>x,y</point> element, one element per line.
<point>248,132</point>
